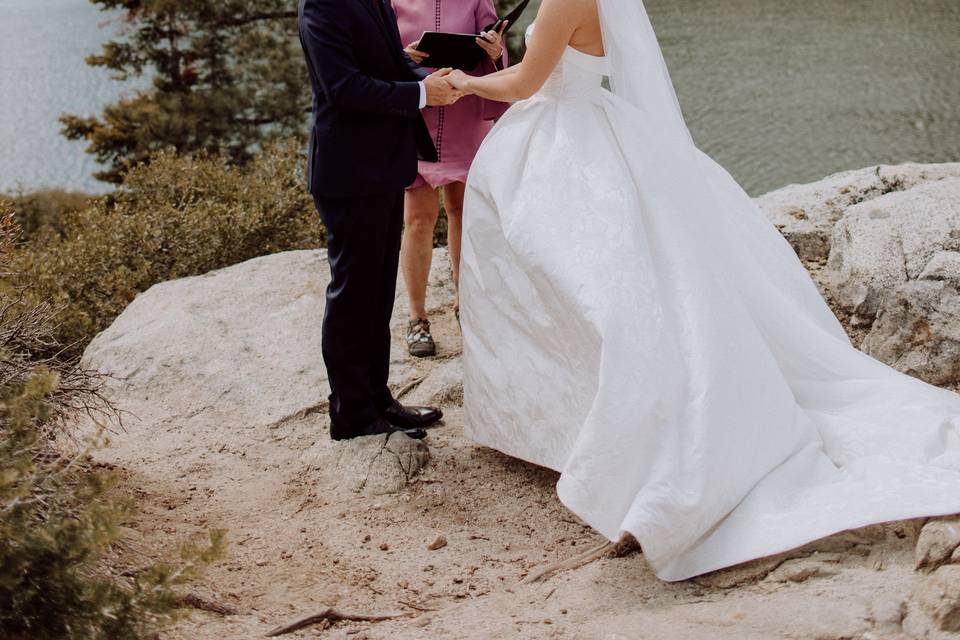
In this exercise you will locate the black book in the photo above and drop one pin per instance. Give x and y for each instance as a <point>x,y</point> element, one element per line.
<point>460,50</point>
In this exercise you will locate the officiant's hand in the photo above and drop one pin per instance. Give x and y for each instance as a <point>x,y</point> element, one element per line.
<point>492,41</point>
<point>415,54</point>
<point>440,93</point>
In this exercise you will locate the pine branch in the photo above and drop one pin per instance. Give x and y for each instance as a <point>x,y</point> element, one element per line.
<point>258,17</point>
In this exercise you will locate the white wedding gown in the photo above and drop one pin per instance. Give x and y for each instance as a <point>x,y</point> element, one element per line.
<point>632,320</point>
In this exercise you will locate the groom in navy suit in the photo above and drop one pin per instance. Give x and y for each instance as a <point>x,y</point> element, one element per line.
<point>366,136</point>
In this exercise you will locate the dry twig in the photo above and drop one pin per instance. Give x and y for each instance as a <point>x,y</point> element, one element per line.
<point>195,601</point>
<point>407,388</point>
<point>625,546</point>
<point>330,615</point>
<point>416,607</point>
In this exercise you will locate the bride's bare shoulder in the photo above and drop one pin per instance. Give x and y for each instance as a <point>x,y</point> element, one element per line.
<point>571,7</point>
<point>583,15</point>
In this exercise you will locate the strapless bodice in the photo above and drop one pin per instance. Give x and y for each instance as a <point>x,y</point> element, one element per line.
<point>577,74</point>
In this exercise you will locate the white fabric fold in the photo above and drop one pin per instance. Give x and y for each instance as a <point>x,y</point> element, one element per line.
<point>633,321</point>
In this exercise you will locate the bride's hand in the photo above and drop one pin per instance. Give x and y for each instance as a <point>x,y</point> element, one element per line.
<point>458,80</point>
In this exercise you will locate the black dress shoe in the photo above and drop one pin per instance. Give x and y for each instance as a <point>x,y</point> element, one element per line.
<point>411,417</point>
<point>377,428</point>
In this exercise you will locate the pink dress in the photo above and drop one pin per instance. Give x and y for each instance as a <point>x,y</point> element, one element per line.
<point>459,129</point>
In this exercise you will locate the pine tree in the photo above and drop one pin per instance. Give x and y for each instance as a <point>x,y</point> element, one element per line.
<point>227,75</point>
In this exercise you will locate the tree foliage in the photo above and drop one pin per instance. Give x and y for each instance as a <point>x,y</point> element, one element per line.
<point>175,216</point>
<point>227,76</point>
<point>516,34</point>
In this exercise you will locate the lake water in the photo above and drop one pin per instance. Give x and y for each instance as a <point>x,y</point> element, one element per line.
<point>778,91</point>
<point>43,44</point>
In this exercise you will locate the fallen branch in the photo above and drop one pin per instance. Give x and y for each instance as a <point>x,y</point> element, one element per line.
<point>625,546</point>
<point>413,606</point>
<point>195,601</point>
<point>330,615</point>
<point>407,388</point>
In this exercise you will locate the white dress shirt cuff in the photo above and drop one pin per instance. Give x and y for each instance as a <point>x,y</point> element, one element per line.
<point>423,95</point>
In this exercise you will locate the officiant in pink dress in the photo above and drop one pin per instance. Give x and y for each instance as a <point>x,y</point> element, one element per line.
<point>457,132</point>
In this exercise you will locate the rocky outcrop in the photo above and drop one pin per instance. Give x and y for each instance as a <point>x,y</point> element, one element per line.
<point>807,213</point>
<point>933,609</point>
<point>231,343</point>
<point>935,605</point>
<point>223,381</point>
<point>884,244</point>
<point>896,238</point>
<point>223,363</point>
<point>938,543</point>
<point>917,330</point>
<point>373,466</point>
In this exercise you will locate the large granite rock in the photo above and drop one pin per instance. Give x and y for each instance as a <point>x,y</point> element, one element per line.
<point>242,343</point>
<point>934,608</point>
<point>890,240</point>
<point>917,330</point>
<point>226,368</point>
<point>806,213</point>
<point>885,247</point>
<point>937,543</point>
<point>373,466</point>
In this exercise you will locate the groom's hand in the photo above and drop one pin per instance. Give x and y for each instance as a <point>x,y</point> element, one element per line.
<point>439,92</point>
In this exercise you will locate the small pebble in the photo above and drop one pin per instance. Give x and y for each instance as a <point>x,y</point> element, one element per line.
<point>439,543</point>
<point>384,547</point>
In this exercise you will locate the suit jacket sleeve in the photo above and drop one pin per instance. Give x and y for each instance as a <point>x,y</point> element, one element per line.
<point>330,47</point>
<point>418,72</point>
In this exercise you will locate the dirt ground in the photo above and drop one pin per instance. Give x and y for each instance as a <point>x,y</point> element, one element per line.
<point>298,546</point>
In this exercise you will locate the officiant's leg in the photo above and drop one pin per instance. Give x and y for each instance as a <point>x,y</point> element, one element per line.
<point>387,293</point>
<point>421,210</point>
<point>357,242</point>
<point>453,206</point>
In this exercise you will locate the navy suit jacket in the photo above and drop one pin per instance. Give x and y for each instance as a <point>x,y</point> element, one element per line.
<point>367,132</point>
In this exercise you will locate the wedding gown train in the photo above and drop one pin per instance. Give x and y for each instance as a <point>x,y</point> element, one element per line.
<point>632,320</point>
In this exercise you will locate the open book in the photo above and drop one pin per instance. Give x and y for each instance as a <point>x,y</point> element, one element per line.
<point>460,50</point>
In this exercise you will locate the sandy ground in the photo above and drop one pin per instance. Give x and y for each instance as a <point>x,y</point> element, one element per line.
<point>297,547</point>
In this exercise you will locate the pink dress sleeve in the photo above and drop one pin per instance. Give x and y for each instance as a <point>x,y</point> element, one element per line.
<point>485,15</point>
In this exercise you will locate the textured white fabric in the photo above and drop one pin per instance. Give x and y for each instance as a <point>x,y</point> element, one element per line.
<point>632,320</point>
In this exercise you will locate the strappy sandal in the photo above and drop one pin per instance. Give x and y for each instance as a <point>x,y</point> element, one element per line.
<point>420,343</point>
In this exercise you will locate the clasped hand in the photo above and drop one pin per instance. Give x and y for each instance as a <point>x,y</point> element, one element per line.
<point>440,92</point>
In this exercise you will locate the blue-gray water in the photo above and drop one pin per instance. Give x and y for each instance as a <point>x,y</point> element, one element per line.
<point>43,44</point>
<point>781,91</point>
<point>777,91</point>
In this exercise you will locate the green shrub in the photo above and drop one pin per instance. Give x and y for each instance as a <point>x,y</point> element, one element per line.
<point>46,211</point>
<point>56,519</point>
<point>174,217</point>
